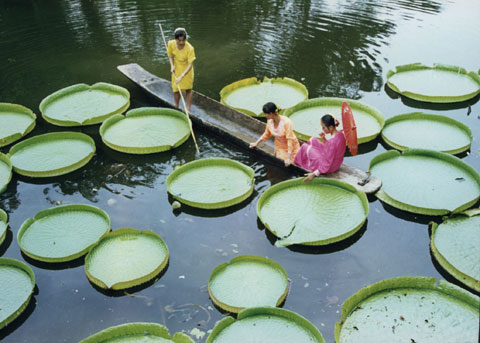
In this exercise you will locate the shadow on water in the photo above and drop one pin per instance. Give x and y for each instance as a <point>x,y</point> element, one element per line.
<point>6,242</point>
<point>79,261</point>
<point>17,322</point>
<point>410,217</point>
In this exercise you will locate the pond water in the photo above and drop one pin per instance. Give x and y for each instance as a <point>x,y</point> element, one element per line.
<point>335,47</point>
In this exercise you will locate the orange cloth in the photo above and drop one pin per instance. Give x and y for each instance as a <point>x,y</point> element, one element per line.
<point>285,139</point>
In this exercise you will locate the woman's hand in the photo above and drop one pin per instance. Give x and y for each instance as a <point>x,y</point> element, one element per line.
<point>253,145</point>
<point>172,69</point>
<point>178,79</point>
<point>287,162</point>
<point>309,177</point>
<point>322,135</point>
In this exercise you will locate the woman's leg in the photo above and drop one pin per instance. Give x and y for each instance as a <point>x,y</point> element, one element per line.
<point>189,96</point>
<point>176,98</point>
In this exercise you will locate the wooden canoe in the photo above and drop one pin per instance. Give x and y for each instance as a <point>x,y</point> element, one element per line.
<point>235,126</point>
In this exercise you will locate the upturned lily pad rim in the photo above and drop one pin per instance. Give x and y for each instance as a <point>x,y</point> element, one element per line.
<point>3,218</point>
<point>254,81</point>
<point>243,258</point>
<point>9,107</point>
<point>408,282</point>
<point>318,180</point>
<point>450,268</point>
<point>134,282</point>
<point>79,88</point>
<point>20,265</point>
<point>53,136</point>
<point>435,99</point>
<point>52,211</point>
<point>6,159</point>
<point>137,328</point>
<point>426,116</point>
<point>382,195</point>
<point>332,101</point>
<point>205,162</point>
<point>266,311</point>
<point>144,112</point>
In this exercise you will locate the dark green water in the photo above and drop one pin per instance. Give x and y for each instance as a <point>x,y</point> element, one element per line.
<point>336,48</point>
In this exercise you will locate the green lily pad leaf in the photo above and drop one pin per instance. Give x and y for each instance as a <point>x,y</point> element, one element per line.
<point>125,258</point>
<point>211,183</point>
<point>312,213</point>
<point>16,287</point>
<point>455,244</point>
<point>16,121</point>
<point>307,114</point>
<point>249,95</point>
<point>437,84</point>
<point>425,181</point>
<point>146,130</point>
<point>137,332</point>
<point>248,281</point>
<point>427,131</point>
<point>5,171</point>
<point>409,309</point>
<point>266,325</point>
<point>3,225</point>
<point>62,233</point>
<point>52,154</point>
<point>82,104</point>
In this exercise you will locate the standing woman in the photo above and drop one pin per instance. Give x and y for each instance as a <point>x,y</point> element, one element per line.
<point>281,127</point>
<point>181,55</point>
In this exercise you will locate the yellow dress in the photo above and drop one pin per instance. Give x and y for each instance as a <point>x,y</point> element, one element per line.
<point>181,60</point>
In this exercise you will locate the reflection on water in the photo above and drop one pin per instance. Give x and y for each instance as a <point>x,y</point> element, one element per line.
<point>335,47</point>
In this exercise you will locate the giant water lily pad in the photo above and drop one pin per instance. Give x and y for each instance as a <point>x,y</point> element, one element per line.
<point>427,131</point>
<point>146,130</point>
<point>409,309</point>
<point>52,154</point>
<point>211,183</point>
<point>16,287</point>
<point>307,114</point>
<point>136,333</point>
<point>82,104</point>
<point>437,84</point>
<point>15,122</point>
<point>425,181</point>
<point>3,225</point>
<point>455,244</point>
<point>62,233</point>
<point>5,171</point>
<point>320,212</point>
<point>125,258</point>
<point>249,95</point>
<point>266,325</point>
<point>248,281</point>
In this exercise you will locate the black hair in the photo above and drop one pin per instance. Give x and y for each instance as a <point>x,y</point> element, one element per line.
<point>180,33</point>
<point>328,120</point>
<point>270,107</point>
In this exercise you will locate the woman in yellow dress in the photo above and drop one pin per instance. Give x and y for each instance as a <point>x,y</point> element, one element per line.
<point>181,55</point>
<point>281,127</point>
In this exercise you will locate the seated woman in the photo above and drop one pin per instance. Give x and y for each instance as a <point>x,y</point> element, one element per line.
<point>326,156</point>
<point>281,127</point>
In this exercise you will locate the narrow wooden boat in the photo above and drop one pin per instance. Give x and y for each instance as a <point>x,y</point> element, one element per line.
<point>235,126</point>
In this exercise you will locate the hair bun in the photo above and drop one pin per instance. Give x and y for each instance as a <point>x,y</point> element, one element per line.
<point>337,122</point>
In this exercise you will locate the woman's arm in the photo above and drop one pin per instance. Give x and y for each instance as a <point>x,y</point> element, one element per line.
<point>266,135</point>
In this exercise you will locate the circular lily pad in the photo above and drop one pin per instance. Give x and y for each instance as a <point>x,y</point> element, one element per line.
<point>425,181</point>
<point>437,84</point>
<point>455,244</point>
<point>211,183</point>
<point>15,122</point>
<point>52,154</point>
<point>16,287</point>
<point>125,258</point>
<point>427,131</point>
<point>249,95</point>
<point>266,325</point>
<point>146,130</point>
<point>3,225</point>
<point>137,332</point>
<point>248,281</point>
<point>307,114</point>
<point>62,233</point>
<point>409,309</point>
<point>313,213</point>
<point>82,104</point>
<point>5,171</point>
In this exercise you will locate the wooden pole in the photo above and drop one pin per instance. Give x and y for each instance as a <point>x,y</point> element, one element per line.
<point>181,95</point>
